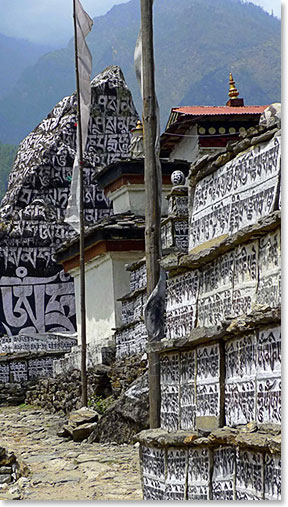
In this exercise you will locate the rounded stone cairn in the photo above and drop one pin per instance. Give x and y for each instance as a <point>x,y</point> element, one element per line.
<point>10,469</point>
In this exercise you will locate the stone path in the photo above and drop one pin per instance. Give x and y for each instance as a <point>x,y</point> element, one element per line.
<point>62,469</point>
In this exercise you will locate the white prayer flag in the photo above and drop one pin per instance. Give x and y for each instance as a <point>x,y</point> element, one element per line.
<point>83,26</point>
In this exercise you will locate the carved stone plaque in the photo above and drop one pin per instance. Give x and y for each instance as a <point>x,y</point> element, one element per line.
<point>187,390</point>
<point>199,467</point>
<point>240,358</point>
<point>240,402</point>
<point>215,291</point>
<point>182,292</point>
<point>176,474</point>
<point>153,473</point>
<point>208,379</point>
<point>272,476</point>
<point>249,475</point>
<point>269,352</point>
<point>223,478</point>
<point>269,401</point>
<point>269,290</point>
<point>170,390</point>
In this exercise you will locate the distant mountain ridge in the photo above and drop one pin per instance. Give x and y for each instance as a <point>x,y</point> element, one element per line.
<point>197,44</point>
<point>15,56</point>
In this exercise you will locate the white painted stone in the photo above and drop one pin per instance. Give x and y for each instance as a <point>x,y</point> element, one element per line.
<point>131,197</point>
<point>176,474</point>
<point>240,405</point>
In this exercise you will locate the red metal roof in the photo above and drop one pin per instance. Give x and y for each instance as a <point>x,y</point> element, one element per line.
<point>215,110</point>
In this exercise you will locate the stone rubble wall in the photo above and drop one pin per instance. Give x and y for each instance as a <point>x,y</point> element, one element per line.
<point>62,394</point>
<point>14,393</point>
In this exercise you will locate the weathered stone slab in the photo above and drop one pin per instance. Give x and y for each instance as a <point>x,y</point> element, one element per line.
<point>83,415</point>
<point>83,431</point>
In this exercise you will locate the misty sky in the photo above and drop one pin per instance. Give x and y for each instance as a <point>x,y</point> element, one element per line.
<point>50,21</point>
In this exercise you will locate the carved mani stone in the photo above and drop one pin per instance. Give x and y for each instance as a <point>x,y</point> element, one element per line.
<point>36,295</point>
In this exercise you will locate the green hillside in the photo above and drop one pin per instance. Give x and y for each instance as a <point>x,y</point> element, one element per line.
<point>197,44</point>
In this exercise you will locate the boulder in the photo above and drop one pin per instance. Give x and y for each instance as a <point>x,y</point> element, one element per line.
<point>83,415</point>
<point>128,415</point>
<point>83,431</point>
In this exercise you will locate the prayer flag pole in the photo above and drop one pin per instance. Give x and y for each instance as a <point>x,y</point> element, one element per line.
<point>83,64</point>
<point>153,184</point>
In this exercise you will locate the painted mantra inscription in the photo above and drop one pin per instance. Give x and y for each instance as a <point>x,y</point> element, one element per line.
<point>237,194</point>
<point>131,340</point>
<point>188,390</point>
<point>232,285</point>
<point>253,378</point>
<point>190,382</point>
<point>37,304</point>
<point>199,473</point>
<point>19,371</point>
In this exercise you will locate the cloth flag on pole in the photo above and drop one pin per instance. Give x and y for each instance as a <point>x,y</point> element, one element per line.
<point>83,26</point>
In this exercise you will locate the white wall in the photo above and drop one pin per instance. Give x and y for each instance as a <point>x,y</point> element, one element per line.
<point>106,281</point>
<point>187,148</point>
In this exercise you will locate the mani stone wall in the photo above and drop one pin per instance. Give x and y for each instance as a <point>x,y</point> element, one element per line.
<point>131,337</point>
<point>36,296</point>
<point>220,362</point>
<point>24,359</point>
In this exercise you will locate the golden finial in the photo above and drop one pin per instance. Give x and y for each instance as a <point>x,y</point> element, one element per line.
<point>139,125</point>
<point>233,92</point>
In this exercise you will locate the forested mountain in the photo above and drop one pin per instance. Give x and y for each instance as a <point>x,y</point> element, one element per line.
<point>197,44</point>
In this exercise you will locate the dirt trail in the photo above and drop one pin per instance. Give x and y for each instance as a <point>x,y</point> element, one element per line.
<point>62,469</point>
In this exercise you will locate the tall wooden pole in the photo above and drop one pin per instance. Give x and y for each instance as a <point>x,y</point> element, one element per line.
<point>152,209</point>
<point>81,218</point>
